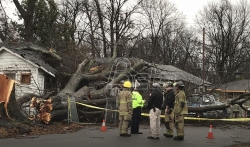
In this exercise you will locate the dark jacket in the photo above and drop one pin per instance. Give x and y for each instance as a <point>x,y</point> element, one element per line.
<point>155,99</point>
<point>169,99</point>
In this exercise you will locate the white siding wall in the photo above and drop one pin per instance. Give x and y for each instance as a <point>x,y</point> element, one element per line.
<point>10,63</point>
<point>40,80</point>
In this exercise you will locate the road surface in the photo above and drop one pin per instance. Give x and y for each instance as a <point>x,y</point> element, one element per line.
<point>93,137</point>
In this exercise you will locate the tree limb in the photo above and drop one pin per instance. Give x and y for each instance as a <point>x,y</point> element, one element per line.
<point>20,8</point>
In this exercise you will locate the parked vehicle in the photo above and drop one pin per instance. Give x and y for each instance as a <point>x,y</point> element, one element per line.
<point>202,100</point>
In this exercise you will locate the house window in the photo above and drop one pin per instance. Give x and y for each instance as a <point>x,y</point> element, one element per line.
<point>25,78</point>
<point>230,95</point>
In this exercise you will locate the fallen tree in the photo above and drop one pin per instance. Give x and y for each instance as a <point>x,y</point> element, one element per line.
<point>93,82</point>
<point>240,100</point>
<point>94,79</point>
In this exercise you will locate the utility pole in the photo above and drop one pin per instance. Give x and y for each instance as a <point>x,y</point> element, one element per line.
<point>203,62</point>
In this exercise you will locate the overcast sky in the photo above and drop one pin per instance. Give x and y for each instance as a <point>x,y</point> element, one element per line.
<point>189,7</point>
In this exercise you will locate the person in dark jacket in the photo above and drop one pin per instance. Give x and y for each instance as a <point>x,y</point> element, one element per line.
<point>168,105</point>
<point>154,105</point>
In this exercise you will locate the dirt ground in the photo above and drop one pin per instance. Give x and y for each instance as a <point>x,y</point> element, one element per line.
<point>39,129</point>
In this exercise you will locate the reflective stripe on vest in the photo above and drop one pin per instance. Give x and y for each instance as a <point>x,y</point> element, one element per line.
<point>123,102</point>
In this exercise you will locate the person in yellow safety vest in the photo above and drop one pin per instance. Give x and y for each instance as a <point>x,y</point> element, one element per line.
<point>124,104</point>
<point>180,108</point>
<point>137,103</point>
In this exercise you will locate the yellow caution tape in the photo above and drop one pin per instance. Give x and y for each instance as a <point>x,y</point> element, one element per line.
<point>95,107</point>
<point>163,116</point>
<point>224,119</point>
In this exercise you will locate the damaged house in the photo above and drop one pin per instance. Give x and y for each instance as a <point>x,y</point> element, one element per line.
<point>24,64</point>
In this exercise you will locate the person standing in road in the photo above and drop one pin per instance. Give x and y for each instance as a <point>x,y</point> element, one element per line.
<point>180,108</point>
<point>168,105</point>
<point>124,104</point>
<point>137,103</point>
<point>154,105</point>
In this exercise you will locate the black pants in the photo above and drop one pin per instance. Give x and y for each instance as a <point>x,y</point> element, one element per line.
<point>136,117</point>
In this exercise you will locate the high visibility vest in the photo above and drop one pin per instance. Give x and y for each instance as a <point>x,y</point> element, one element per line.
<point>137,100</point>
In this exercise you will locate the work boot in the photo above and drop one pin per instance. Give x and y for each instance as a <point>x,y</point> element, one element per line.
<point>125,135</point>
<point>178,138</point>
<point>137,133</point>
<point>151,137</point>
<point>167,135</point>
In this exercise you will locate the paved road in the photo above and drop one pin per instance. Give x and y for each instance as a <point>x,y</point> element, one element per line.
<point>92,137</point>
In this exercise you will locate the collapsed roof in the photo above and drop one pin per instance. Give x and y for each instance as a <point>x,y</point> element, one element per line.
<point>169,72</point>
<point>31,53</point>
<point>159,71</point>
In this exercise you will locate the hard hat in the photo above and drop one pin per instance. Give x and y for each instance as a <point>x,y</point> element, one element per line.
<point>167,84</point>
<point>127,84</point>
<point>180,84</point>
<point>156,85</point>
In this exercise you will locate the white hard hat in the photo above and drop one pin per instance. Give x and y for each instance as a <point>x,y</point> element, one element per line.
<point>156,85</point>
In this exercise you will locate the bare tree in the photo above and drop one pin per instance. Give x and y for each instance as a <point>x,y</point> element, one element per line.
<point>227,37</point>
<point>167,39</point>
<point>158,16</point>
<point>92,24</point>
<point>99,25</point>
<point>101,20</point>
<point>70,17</point>
<point>118,23</point>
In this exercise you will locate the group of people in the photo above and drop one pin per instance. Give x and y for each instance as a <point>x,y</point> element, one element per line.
<point>172,101</point>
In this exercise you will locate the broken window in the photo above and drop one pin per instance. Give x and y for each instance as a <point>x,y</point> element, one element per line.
<point>25,78</point>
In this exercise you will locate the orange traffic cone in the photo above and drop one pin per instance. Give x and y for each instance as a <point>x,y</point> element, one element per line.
<point>103,128</point>
<point>210,133</point>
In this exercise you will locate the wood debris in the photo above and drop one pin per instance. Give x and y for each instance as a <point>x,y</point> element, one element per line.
<point>44,107</point>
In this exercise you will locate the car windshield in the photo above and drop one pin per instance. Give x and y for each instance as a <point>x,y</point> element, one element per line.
<point>201,99</point>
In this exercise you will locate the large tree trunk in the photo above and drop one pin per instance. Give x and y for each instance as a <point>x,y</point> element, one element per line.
<point>28,17</point>
<point>14,112</point>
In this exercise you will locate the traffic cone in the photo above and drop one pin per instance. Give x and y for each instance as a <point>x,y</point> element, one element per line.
<point>103,128</point>
<point>210,133</point>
